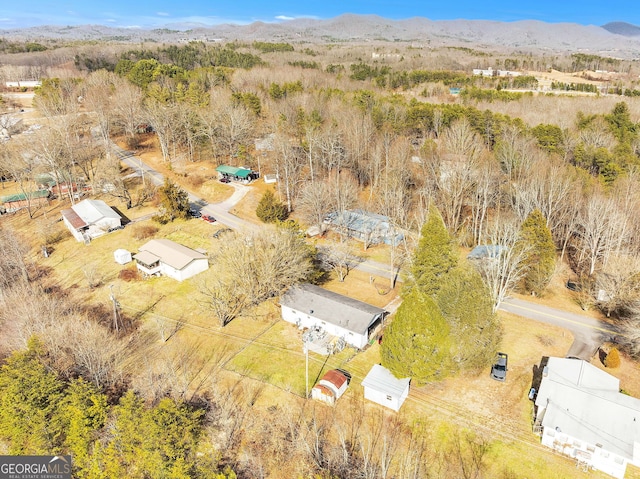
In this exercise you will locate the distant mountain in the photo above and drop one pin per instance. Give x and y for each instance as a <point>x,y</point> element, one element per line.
<point>622,28</point>
<point>522,36</point>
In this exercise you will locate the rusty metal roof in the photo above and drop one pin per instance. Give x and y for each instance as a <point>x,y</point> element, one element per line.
<point>74,220</point>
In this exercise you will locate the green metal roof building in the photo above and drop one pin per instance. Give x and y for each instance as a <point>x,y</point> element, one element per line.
<point>23,196</point>
<point>240,173</point>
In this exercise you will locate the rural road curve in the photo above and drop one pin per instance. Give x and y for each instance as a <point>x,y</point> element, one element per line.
<point>220,211</point>
<point>589,333</point>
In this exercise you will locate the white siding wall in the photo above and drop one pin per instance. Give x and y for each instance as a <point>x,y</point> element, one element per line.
<point>600,459</point>
<point>378,397</point>
<point>76,234</point>
<point>305,320</point>
<point>193,268</point>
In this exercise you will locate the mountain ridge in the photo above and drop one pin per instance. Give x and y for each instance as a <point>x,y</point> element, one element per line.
<point>522,35</point>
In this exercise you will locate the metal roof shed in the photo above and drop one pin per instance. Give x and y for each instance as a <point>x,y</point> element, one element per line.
<point>382,387</point>
<point>233,171</point>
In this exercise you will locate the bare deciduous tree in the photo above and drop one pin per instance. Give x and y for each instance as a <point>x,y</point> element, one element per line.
<point>503,267</point>
<point>225,299</point>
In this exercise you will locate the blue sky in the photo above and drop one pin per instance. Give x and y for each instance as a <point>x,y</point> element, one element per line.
<point>152,14</point>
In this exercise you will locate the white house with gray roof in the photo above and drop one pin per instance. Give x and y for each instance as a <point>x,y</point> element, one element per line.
<point>89,219</point>
<point>309,306</point>
<point>165,257</point>
<point>582,413</point>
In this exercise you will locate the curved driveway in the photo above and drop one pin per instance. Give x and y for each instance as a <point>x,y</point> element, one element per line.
<point>220,211</point>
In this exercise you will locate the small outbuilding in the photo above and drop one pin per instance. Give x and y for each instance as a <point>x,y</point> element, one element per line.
<point>382,387</point>
<point>122,256</point>
<point>331,387</point>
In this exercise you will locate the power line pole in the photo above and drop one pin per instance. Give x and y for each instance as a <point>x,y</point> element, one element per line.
<point>306,370</point>
<point>116,307</point>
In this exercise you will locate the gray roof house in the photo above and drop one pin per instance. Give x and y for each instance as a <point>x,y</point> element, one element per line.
<point>310,306</point>
<point>165,257</point>
<point>581,413</point>
<point>370,228</point>
<point>382,387</point>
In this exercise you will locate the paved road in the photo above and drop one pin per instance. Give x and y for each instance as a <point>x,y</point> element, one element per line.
<point>589,333</point>
<point>220,211</point>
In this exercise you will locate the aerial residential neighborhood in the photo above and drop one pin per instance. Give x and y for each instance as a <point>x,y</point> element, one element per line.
<point>295,254</point>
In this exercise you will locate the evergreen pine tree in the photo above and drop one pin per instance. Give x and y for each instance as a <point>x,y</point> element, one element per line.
<point>30,396</point>
<point>541,258</point>
<point>417,343</point>
<point>467,308</point>
<point>270,210</point>
<point>434,256</point>
<point>174,202</point>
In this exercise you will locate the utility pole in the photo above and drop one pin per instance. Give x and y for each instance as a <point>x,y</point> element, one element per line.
<point>306,370</point>
<point>116,307</point>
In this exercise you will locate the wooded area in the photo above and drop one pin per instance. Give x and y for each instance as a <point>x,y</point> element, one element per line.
<point>542,177</point>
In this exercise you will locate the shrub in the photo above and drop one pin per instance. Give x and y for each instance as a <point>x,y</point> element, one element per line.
<point>129,275</point>
<point>144,231</point>
<point>613,359</point>
<point>196,181</point>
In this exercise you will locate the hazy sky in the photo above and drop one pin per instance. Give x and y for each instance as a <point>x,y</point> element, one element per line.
<point>151,14</point>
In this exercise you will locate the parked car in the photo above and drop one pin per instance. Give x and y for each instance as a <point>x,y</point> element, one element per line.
<point>532,394</point>
<point>209,218</point>
<point>225,180</point>
<point>499,368</point>
<point>195,213</point>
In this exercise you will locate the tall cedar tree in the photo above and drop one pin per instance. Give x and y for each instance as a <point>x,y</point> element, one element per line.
<point>174,201</point>
<point>541,258</point>
<point>270,209</point>
<point>30,400</point>
<point>434,256</point>
<point>417,344</point>
<point>467,308</point>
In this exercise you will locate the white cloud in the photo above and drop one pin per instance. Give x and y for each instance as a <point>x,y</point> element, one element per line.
<point>284,17</point>
<point>163,14</point>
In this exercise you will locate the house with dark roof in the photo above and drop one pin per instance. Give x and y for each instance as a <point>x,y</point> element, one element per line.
<point>165,257</point>
<point>244,175</point>
<point>90,219</point>
<point>580,412</point>
<point>311,307</point>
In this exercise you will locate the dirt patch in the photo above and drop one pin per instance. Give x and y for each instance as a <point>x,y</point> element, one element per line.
<point>476,395</point>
